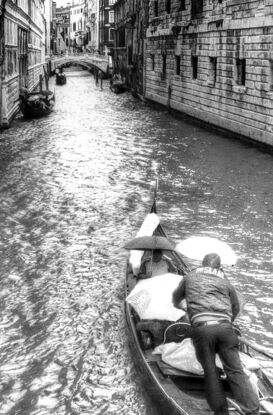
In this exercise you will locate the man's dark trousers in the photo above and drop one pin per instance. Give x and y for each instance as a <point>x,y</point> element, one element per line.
<point>221,339</point>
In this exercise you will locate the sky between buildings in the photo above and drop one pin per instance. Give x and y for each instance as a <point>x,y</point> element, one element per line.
<point>63,3</point>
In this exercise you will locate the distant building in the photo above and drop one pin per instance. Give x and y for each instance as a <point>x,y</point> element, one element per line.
<point>91,13</point>
<point>48,28</point>
<point>106,25</point>
<point>63,39</point>
<point>22,52</point>
<point>77,25</point>
<point>131,21</point>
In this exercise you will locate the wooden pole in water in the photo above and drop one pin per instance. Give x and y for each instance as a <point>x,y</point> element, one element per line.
<point>46,78</point>
<point>41,83</point>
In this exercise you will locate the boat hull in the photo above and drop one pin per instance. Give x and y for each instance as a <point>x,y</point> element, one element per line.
<point>60,79</point>
<point>174,392</point>
<point>36,105</point>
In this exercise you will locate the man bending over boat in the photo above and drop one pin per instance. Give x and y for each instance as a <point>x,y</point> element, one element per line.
<point>157,264</point>
<point>212,305</point>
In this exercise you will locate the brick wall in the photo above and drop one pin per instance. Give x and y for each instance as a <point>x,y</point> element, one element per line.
<point>218,67</point>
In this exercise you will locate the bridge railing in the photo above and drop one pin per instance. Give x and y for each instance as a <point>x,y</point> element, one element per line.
<point>78,54</point>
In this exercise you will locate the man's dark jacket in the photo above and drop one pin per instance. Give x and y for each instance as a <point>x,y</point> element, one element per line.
<point>208,293</point>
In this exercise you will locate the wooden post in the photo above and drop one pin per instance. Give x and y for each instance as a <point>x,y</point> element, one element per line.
<point>46,78</point>
<point>41,83</point>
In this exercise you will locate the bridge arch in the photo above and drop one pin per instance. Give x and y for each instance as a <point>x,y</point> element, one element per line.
<point>88,61</point>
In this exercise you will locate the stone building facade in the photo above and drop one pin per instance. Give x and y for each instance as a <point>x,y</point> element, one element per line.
<point>22,52</point>
<point>131,22</point>
<point>213,60</point>
<point>77,24</point>
<point>62,33</point>
<point>92,25</point>
<point>106,25</point>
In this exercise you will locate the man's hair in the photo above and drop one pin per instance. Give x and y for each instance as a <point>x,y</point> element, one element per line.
<point>212,261</point>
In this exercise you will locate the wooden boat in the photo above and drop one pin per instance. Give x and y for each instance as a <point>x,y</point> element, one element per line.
<point>117,85</point>
<point>173,391</point>
<point>37,104</point>
<point>60,79</point>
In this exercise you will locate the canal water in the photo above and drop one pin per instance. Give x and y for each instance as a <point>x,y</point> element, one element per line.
<point>74,187</point>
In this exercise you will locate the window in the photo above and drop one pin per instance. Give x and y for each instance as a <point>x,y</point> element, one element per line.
<point>194,66</point>
<point>212,70</point>
<point>164,60</point>
<point>182,5</point>
<point>111,16</point>
<point>152,62</point>
<point>130,55</point>
<point>196,8</point>
<point>156,7</point>
<point>240,71</point>
<point>177,64</point>
<point>271,75</point>
<point>111,35</point>
<point>121,37</point>
<point>168,6</point>
<point>74,27</point>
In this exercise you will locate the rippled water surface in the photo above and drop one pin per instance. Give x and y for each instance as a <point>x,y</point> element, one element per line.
<point>73,188</point>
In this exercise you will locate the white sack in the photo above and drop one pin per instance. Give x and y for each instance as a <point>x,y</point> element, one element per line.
<point>152,298</point>
<point>182,356</point>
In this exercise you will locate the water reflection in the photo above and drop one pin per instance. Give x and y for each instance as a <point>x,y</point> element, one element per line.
<point>73,188</point>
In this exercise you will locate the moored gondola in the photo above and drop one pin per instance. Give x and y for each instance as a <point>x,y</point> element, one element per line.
<point>37,104</point>
<point>60,79</point>
<point>117,84</point>
<point>175,391</point>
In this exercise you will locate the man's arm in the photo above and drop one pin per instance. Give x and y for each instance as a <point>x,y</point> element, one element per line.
<point>235,303</point>
<point>179,294</point>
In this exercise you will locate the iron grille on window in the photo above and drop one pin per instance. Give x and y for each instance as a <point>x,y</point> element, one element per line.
<point>182,5</point>
<point>194,65</point>
<point>178,62</point>
<point>213,70</point>
<point>164,60</point>
<point>241,71</point>
<point>153,62</point>
<point>156,8</point>
<point>196,8</point>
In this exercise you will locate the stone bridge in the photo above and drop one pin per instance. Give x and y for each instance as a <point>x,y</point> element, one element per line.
<point>88,60</point>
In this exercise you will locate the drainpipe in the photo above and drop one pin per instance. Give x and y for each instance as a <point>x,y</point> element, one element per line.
<point>2,54</point>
